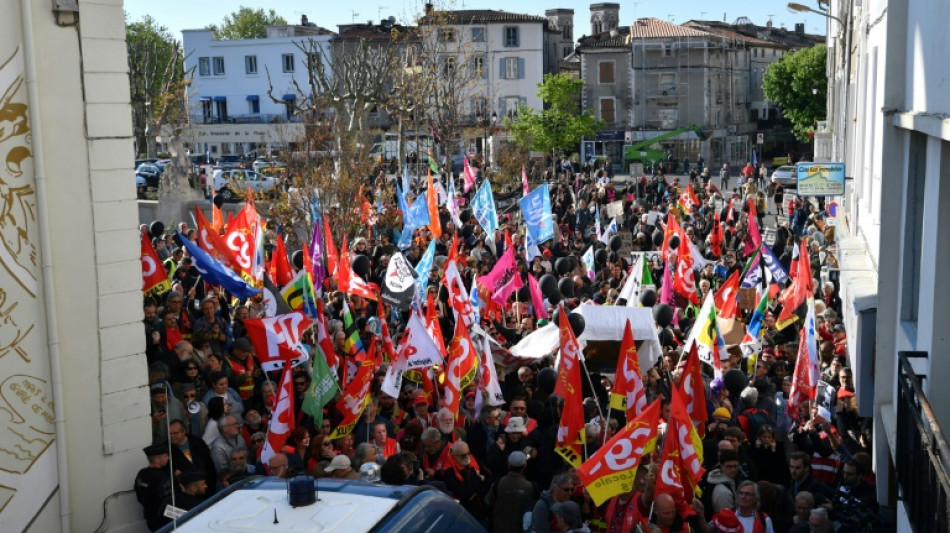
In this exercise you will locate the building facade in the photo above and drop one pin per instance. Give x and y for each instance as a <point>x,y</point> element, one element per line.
<point>887,115</point>
<point>72,368</point>
<point>244,92</point>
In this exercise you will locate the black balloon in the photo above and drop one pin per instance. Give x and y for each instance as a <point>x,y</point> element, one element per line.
<point>555,298</point>
<point>735,381</point>
<point>524,294</point>
<point>297,259</point>
<point>468,230</point>
<point>616,243</point>
<point>666,337</point>
<point>663,315</point>
<point>217,200</point>
<point>600,257</point>
<point>612,257</point>
<point>674,242</point>
<point>648,298</point>
<point>572,261</point>
<point>566,287</point>
<point>563,265</point>
<point>658,238</point>
<point>547,380</point>
<point>361,265</point>
<point>548,285</point>
<point>156,228</point>
<point>577,323</point>
<point>465,215</point>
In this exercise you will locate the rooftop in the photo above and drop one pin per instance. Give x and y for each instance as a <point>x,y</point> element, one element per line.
<point>478,16</point>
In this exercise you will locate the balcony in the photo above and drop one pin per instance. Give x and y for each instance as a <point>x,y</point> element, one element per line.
<point>260,118</point>
<point>923,457</point>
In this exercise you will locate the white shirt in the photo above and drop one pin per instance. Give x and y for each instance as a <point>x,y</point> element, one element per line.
<point>748,523</point>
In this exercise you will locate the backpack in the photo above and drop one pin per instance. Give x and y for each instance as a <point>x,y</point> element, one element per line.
<point>755,418</point>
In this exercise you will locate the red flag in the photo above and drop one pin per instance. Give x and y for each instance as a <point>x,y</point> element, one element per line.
<point>753,238</point>
<point>462,365</point>
<point>280,266</point>
<point>217,219</point>
<point>685,283</point>
<point>628,393</point>
<point>692,391</point>
<point>432,324</point>
<point>435,226</point>
<point>154,278</point>
<point>690,444</point>
<point>349,281</point>
<point>277,339</point>
<point>354,400</point>
<point>612,469</point>
<point>282,418</point>
<point>725,298</point>
<point>241,241</point>
<point>715,237</point>
<point>801,288</point>
<point>570,431</point>
<point>324,340</point>
<point>210,241</point>
<point>333,256</point>
<point>458,296</point>
<point>803,389</point>
<point>681,463</point>
<point>508,241</point>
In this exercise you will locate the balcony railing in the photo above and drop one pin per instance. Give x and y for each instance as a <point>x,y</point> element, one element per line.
<point>923,457</point>
<point>260,118</point>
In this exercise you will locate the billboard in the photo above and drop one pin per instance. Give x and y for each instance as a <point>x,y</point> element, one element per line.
<point>820,179</point>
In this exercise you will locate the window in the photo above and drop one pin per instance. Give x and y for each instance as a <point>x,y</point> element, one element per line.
<point>755,52</point>
<point>222,108</point>
<point>448,65</point>
<point>447,35</point>
<point>607,110</point>
<point>478,35</point>
<point>511,105</point>
<point>478,66</point>
<point>218,64</point>
<point>204,66</point>
<point>510,68</point>
<point>206,108</point>
<point>287,60</point>
<point>606,71</point>
<point>667,50</point>
<point>568,32</point>
<point>913,227</point>
<point>567,51</point>
<point>250,64</point>
<point>512,36</point>
<point>480,107</point>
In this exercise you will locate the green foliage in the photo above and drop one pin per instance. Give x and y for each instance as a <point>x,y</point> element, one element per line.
<point>247,23</point>
<point>560,125</point>
<point>789,82</point>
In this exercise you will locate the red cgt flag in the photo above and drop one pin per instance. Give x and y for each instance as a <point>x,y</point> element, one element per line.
<point>354,400</point>
<point>570,431</point>
<point>692,391</point>
<point>282,419</point>
<point>628,393</point>
<point>461,367</point>
<point>154,277</point>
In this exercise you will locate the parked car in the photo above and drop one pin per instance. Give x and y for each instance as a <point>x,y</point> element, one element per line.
<point>230,161</point>
<point>224,180</point>
<point>145,160</point>
<point>140,186</point>
<point>785,175</point>
<point>151,173</point>
<point>262,164</point>
<point>260,504</point>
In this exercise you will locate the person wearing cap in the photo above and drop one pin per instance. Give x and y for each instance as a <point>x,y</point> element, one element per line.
<point>164,408</point>
<point>511,496</point>
<point>341,468</point>
<point>153,485</point>
<point>420,410</point>
<point>567,516</point>
<point>192,490</point>
<point>511,440</point>
<point>725,521</point>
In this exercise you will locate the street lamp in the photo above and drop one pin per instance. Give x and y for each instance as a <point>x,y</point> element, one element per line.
<point>801,8</point>
<point>814,90</point>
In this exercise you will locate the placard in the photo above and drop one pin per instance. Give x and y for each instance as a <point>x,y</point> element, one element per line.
<point>747,298</point>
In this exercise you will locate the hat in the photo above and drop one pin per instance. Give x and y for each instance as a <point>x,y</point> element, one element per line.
<point>158,389</point>
<point>569,511</point>
<point>722,412</point>
<point>516,425</point>
<point>419,397</point>
<point>726,521</point>
<point>542,322</point>
<point>242,344</point>
<point>469,394</point>
<point>156,449</point>
<point>340,462</point>
<point>517,459</point>
<point>187,478</point>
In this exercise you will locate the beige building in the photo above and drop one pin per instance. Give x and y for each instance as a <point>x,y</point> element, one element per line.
<point>72,373</point>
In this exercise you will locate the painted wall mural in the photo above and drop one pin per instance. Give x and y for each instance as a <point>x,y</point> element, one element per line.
<point>27,464</point>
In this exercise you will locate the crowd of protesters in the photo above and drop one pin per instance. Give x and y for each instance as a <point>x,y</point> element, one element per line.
<point>766,469</point>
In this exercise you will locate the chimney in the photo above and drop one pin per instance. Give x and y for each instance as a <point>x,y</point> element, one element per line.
<point>303,20</point>
<point>800,28</point>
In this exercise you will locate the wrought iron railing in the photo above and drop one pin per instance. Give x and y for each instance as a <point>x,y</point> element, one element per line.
<point>923,457</point>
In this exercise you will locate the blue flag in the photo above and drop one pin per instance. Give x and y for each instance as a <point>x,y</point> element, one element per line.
<point>536,209</point>
<point>215,273</point>
<point>405,178</point>
<point>483,207</point>
<point>422,269</point>
<point>401,198</point>
<point>772,263</point>
<point>418,214</point>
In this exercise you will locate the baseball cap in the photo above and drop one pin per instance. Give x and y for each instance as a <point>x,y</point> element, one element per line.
<point>340,462</point>
<point>517,459</point>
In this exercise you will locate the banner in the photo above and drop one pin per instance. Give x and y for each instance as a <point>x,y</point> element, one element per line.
<point>483,207</point>
<point>277,339</point>
<point>417,349</point>
<point>612,470</point>
<point>213,272</point>
<point>398,284</point>
<point>536,209</point>
<point>154,278</point>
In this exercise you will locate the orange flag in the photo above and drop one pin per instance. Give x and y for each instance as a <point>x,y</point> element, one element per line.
<point>333,256</point>
<point>433,203</point>
<point>217,219</point>
<point>570,431</point>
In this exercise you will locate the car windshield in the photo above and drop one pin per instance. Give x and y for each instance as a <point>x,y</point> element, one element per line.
<point>786,169</point>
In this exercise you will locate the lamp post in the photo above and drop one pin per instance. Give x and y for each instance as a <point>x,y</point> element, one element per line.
<point>801,8</point>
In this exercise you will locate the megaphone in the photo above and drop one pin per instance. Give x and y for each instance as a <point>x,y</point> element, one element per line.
<point>194,407</point>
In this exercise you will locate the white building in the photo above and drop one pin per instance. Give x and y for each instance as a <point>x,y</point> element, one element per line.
<point>231,100</point>
<point>887,112</point>
<point>73,395</point>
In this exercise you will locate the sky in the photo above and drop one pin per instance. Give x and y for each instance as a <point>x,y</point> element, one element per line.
<point>177,15</point>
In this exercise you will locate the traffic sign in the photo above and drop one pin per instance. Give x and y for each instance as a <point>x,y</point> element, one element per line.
<point>833,209</point>
<point>760,138</point>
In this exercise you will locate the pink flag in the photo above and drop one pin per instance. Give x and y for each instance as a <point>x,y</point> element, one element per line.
<point>666,291</point>
<point>536,299</point>
<point>468,175</point>
<point>754,239</point>
<point>503,279</point>
<point>524,182</point>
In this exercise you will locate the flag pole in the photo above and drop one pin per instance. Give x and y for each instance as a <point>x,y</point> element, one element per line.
<point>607,422</point>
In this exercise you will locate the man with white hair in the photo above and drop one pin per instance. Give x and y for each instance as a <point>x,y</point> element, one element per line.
<point>446,422</point>
<point>464,480</point>
<point>752,418</point>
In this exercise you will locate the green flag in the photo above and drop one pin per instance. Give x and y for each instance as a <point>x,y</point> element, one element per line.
<point>323,387</point>
<point>433,165</point>
<point>647,278</point>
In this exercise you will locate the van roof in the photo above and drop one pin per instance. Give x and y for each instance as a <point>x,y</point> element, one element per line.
<point>252,506</point>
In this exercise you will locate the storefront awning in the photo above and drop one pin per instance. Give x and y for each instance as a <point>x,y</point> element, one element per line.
<point>289,97</point>
<point>204,99</point>
<point>253,98</point>
<point>220,98</point>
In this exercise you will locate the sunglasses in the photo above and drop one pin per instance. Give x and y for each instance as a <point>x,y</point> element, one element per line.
<point>189,396</point>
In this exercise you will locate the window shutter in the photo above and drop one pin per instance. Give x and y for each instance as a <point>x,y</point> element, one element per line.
<point>517,36</point>
<point>501,108</point>
<point>501,68</point>
<point>520,68</point>
<point>484,66</point>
